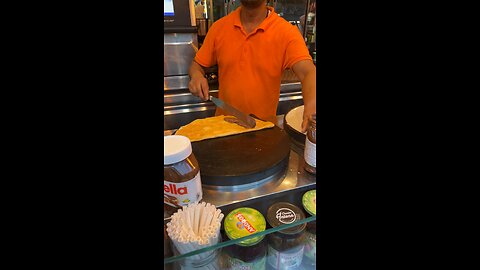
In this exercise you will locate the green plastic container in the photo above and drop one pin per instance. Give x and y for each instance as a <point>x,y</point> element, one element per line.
<point>242,222</point>
<point>309,201</point>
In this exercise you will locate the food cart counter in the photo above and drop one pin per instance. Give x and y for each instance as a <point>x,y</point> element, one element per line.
<point>288,186</point>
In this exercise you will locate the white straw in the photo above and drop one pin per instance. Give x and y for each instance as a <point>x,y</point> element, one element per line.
<point>194,217</point>
<point>201,216</point>
<point>197,219</point>
<point>202,222</point>
<point>209,219</point>
<point>215,216</point>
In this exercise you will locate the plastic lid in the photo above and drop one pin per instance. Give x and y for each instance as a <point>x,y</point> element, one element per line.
<point>285,213</point>
<point>176,148</point>
<point>309,201</point>
<point>242,222</point>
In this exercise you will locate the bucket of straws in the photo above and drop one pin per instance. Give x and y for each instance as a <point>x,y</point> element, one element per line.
<point>194,227</point>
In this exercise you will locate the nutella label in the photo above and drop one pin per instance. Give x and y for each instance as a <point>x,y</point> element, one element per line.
<point>182,194</point>
<point>310,151</point>
<point>285,260</point>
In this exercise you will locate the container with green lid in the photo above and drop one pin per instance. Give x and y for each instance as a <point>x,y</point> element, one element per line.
<point>309,201</point>
<point>242,222</point>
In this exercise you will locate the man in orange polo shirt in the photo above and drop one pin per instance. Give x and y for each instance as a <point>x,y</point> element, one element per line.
<point>252,47</point>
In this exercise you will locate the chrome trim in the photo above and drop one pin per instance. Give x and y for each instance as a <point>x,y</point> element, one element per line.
<point>181,83</point>
<point>176,82</point>
<point>185,93</point>
<point>187,105</point>
<point>183,97</point>
<point>277,176</point>
<point>291,97</point>
<point>189,110</point>
<point>284,87</point>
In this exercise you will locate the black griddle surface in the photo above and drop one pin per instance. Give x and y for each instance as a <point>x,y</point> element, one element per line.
<point>243,158</point>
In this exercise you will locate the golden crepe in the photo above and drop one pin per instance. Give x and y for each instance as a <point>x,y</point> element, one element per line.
<point>214,127</point>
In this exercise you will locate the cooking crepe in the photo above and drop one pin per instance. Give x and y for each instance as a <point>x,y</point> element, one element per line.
<point>214,127</point>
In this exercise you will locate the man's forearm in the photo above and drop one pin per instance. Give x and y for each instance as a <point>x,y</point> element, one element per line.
<point>309,90</point>
<point>196,70</point>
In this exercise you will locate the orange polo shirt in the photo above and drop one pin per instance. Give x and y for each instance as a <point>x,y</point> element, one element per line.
<point>250,66</point>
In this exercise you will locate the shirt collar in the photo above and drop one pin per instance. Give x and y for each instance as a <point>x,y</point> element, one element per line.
<point>264,25</point>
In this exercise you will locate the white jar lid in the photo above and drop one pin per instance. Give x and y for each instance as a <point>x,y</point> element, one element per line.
<point>175,149</point>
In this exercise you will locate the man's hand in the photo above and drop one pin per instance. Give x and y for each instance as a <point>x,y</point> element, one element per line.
<point>198,84</point>
<point>308,110</point>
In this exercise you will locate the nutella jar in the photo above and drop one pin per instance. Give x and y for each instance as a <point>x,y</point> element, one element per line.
<point>311,145</point>
<point>181,174</point>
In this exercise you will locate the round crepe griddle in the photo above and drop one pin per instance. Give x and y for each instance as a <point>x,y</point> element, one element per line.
<point>242,158</point>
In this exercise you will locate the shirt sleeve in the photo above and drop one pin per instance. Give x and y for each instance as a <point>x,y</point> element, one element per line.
<point>296,48</point>
<point>206,55</point>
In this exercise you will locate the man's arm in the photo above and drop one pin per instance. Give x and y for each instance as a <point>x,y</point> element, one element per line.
<point>198,84</point>
<point>306,72</point>
<point>204,58</point>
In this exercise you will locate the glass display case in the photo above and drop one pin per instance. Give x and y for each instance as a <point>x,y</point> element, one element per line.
<point>289,244</point>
